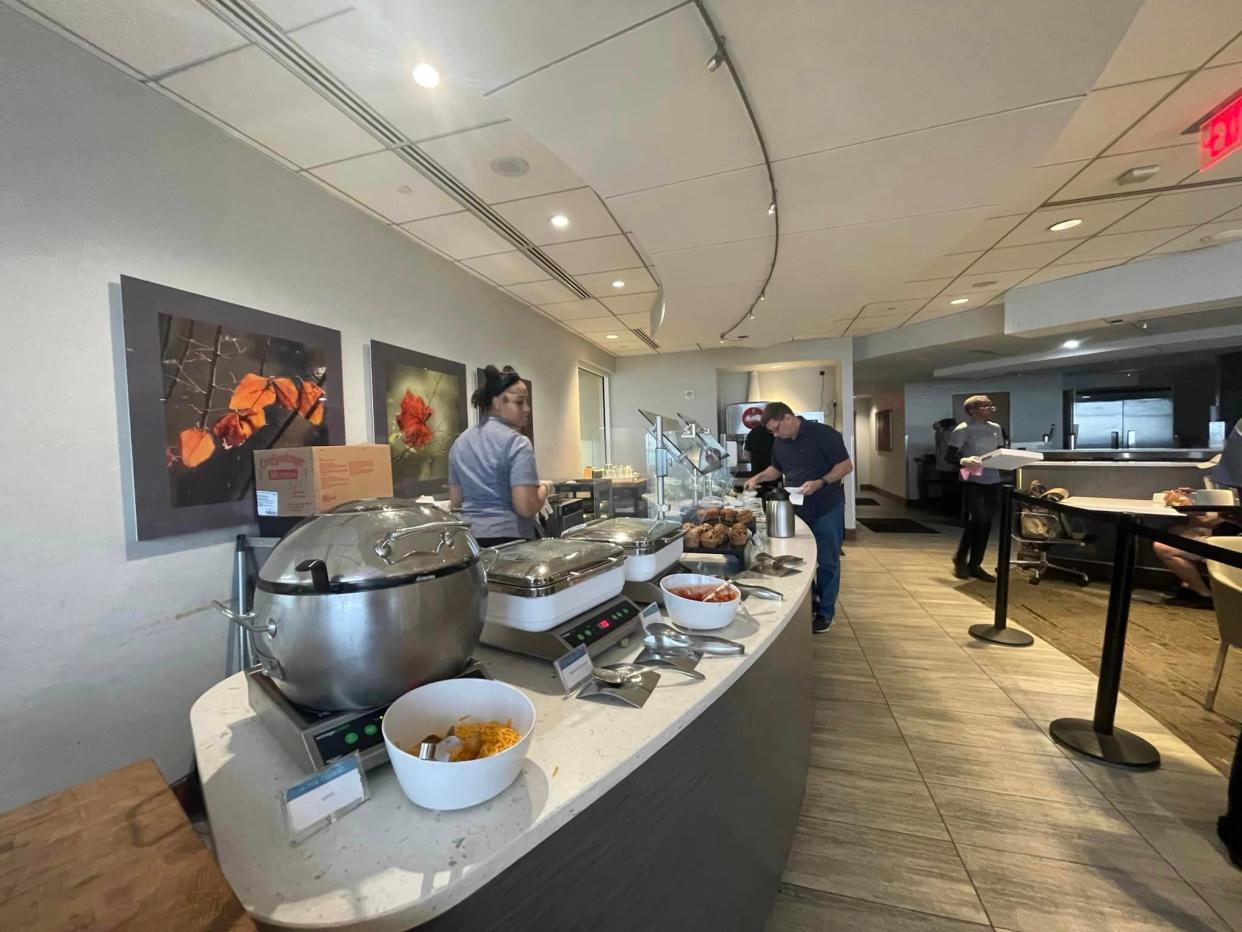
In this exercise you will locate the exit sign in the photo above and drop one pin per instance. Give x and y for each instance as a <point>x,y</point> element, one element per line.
<point>1220,134</point>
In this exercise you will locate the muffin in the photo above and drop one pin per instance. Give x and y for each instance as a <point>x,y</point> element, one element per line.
<point>738,535</point>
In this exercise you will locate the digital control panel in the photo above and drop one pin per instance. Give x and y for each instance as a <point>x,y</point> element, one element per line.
<point>358,734</point>
<point>600,624</point>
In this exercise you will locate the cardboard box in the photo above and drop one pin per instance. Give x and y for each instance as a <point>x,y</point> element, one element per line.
<point>293,482</point>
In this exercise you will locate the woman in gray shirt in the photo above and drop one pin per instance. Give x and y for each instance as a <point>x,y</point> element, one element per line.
<point>492,475</point>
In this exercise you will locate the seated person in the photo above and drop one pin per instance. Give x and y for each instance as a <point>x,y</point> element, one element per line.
<point>1193,590</point>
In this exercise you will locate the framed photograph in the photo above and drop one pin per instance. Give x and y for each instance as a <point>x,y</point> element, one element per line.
<point>884,431</point>
<point>529,430</point>
<point>210,383</point>
<point>419,407</point>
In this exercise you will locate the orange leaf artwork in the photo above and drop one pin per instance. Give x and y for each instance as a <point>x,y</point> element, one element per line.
<point>412,421</point>
<point>197,445</point>
<point>235,428</point>
<point>286,392</point>
<point>252,392</point>
<point>309,406</point>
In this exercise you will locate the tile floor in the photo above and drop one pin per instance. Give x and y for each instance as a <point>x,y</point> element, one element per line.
<point>937,801</point>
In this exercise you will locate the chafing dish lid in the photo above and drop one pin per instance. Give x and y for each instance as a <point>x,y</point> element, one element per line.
<point>350,539</point>
<point>635,535</point>
<point>539,563</point>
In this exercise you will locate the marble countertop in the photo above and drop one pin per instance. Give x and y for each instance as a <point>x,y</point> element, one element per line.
<point>390,864</point>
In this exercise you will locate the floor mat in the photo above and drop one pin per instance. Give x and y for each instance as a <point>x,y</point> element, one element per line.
<point>896,526</point>
<point>865,501</point>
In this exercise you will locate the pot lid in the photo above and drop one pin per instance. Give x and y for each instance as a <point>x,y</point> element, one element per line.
<point>634,534</point>
<point>370,543</point>
<point>535,563</point>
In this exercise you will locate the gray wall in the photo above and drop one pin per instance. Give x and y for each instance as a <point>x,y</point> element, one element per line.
<point>106,642</point>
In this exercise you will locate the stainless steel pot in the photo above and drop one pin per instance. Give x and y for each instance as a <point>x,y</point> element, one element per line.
<point>362,604</point>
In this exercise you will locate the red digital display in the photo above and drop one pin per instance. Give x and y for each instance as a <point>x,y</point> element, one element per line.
<point>604,624</point>
<point>1220,134</point>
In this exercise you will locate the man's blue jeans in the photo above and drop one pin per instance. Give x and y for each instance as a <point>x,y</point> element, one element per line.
<point>828,531</point>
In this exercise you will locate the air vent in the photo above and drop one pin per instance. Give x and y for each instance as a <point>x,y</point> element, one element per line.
<point>646,339</point>
<point>247,19</point>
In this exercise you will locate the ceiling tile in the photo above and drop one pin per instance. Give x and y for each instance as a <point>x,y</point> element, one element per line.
<point>992,282</point>
<point>1166,38</point>
<point>1184,208</point>
<point>1094,217</point>
<point>1230,54</point>
<point>1233,215</point>
<point>1193,239</point>
<point>743,261</point>
<point>624,108</point>
<point>950,266</point>
<point>987,234</point>
<point>876,324</point>
<point>600,283</point>
<point>923,288</point>
<point>1100,177</point>
<point>598,325</point>
<point>290,14</point>
<point>587,215</point>
<point>632,303</point>
<point>468,157</point>
<point>1034,186</point>
<point>834,74</point>
<point>906,241</point>
<point>697,315</point>
<point>1120,245</point>
<point>1053,272</point>
<point>252,93</point>
<point>544,292</point>
<point>1184,107</point>
<point>1104,116</point>
<point>461,235</point>
<point>890,308</point>
<point>572,310</point>
<point>390,187</point>
<point>965,164</point>
<point>150,36</point>
<point>943,305</point>
<point>636,321</point>
<point>716,209</point>
<point>602,254</point>
<point>362,50</point>
<point>506,268</point>
<point>1012,258</point>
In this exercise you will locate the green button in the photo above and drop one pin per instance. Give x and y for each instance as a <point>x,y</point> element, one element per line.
<point>351,738</point>
<point>370,730</point>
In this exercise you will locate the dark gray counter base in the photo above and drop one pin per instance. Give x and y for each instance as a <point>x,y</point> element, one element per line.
<point>695,838</point>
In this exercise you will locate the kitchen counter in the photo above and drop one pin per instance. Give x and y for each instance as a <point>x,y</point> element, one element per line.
<point>621,818</point>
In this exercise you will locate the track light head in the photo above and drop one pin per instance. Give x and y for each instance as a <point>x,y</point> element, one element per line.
<point>717,58</point>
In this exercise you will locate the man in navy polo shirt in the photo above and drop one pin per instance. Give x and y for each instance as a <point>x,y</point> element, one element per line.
<point>812,456</point>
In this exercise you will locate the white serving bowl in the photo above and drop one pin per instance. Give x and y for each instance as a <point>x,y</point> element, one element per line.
<point>688,613</point>
<point>431,709</point>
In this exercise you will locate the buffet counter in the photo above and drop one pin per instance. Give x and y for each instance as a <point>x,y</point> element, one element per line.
<point>677,815</point>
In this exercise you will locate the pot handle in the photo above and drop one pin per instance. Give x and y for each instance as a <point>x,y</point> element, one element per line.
<point>319,574</point>
<point>383,547</point>
<point>245,621</point>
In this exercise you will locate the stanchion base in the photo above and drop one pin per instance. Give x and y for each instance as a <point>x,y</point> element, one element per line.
<point>1010,637</point>
<point>1122,748</point>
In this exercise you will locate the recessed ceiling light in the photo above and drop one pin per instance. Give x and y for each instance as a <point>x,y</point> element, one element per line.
<point>425,75</point>
<point>1072,344</point>
<point>510,166</point>
<point>1224,236</point>
<point>404,189</point>
<point>960,301</point>
<point>611,336</point>
<point>1068,224</point>
<point>560,221</point>
<point>618,284</point>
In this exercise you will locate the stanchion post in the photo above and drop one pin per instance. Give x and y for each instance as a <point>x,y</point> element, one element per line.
<point>1099,738</point>
<point>999,631</point>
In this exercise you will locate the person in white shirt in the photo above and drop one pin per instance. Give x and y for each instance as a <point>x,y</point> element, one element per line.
<point>969,441</point>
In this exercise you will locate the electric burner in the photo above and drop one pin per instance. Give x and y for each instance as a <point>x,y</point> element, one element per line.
<point>316,739</point>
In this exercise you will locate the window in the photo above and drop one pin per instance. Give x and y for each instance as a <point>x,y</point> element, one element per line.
<point>592,418</point>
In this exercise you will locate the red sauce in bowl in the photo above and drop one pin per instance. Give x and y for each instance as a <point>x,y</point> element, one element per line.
<point>704,593</point>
